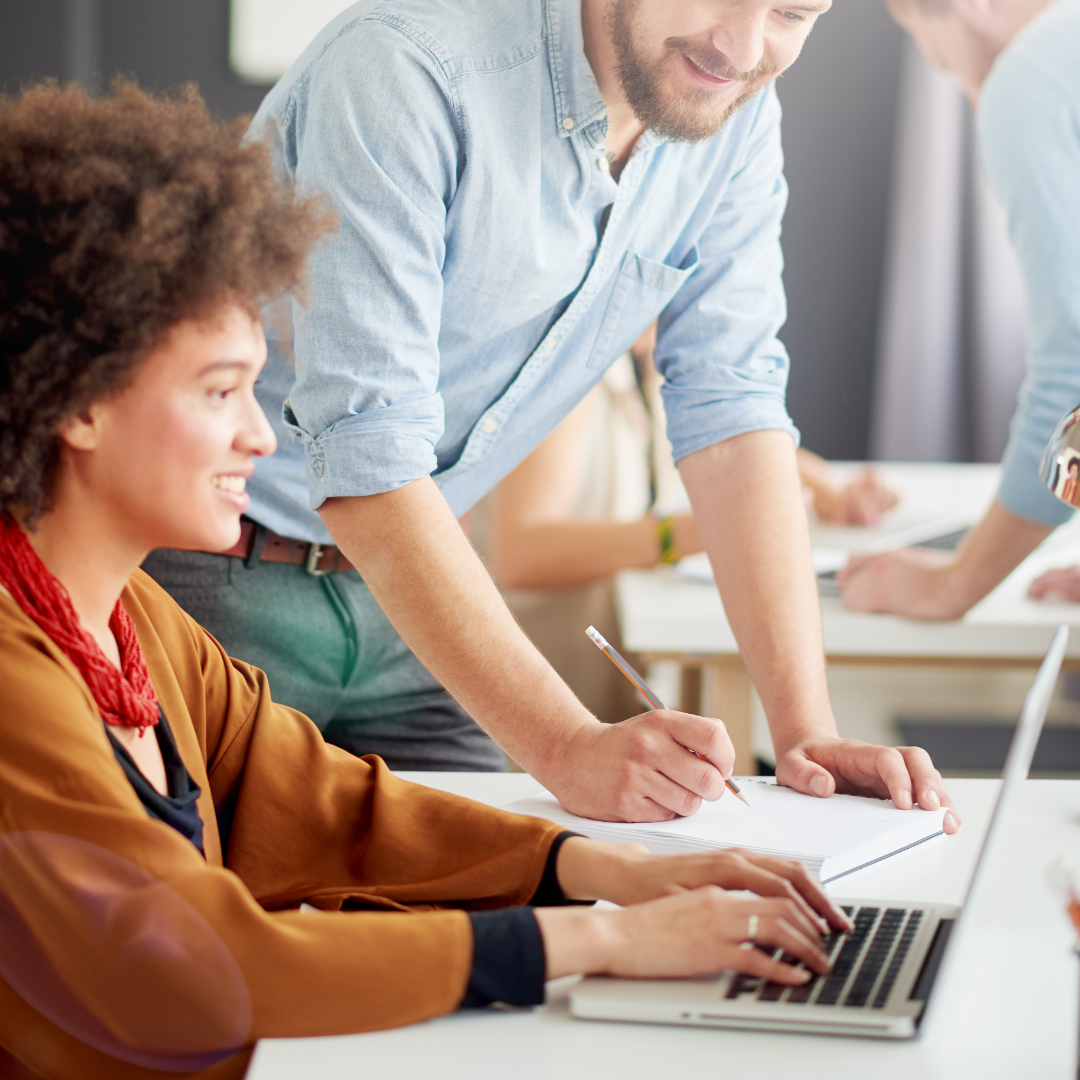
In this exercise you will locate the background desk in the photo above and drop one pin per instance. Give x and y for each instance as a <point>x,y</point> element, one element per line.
<point>666,616</point>
<point>1014,1016</point>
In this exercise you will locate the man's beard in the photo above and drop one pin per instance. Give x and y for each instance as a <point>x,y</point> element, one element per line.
<point>695,115</point>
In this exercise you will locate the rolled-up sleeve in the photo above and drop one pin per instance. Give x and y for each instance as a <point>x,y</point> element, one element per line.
<point>1030,142</point>
<point>725,370</point>
<point>378,134</point>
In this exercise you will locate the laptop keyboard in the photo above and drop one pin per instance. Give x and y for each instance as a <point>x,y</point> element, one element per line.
<point>879,942</point>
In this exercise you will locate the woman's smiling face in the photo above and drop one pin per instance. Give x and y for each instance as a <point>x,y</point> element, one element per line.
<point>167,458</point>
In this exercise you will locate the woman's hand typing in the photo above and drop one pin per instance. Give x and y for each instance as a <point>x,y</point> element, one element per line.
<point>680,918</point>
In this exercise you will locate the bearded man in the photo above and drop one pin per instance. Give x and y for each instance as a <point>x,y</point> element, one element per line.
<point>523,186</point>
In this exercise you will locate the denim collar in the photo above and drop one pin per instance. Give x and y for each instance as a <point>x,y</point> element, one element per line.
<point>578,102</point>
<point>577,97</point>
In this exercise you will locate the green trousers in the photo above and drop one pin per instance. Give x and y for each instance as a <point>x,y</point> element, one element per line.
<point>329,651</point>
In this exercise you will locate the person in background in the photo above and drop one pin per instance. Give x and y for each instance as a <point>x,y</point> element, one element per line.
<point>601,494</point>
<point>163,818</point>
<point>1018,61</point>
<point>1070,490</point>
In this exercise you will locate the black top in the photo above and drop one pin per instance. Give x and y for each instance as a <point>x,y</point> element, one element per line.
<point>508,952</point>
<point>178,808</point>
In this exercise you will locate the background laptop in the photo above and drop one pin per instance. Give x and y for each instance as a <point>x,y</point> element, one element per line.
<point>883,972</point>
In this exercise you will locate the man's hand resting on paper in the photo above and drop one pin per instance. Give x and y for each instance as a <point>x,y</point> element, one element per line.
<point>820,765</point>
<point>678,917</point>
<point>642,769</point>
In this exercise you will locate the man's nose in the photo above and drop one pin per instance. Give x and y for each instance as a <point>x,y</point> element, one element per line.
<point>741,37</point>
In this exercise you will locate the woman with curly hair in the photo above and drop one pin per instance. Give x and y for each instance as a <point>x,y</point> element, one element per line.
<point>162,821</point>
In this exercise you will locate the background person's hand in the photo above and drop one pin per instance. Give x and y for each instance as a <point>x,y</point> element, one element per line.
<point>1060,584</point>
<point>642,769</point>
<point>866,497</point>
<point>861,501</point>
<point>819,766</point>
<point>910,581</point>
<point>697,932</point>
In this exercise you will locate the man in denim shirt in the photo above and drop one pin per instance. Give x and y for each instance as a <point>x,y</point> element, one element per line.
<point>523,186</point>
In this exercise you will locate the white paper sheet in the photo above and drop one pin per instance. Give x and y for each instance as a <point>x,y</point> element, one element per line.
<point>834,836</point>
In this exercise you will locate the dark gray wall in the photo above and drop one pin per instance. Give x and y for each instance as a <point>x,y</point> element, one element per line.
<point>31,40</point>
<point>159,42</point>
<point>839,105</point>
<point>165,42</point>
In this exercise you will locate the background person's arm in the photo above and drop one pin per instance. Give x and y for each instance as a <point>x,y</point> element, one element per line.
<point>745,493</point>
<point>1028,143</point>
<point>421,569</point>
<point>537,543</point>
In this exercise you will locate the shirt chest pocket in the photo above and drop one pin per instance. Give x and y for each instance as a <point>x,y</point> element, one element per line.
<point>643,288</point>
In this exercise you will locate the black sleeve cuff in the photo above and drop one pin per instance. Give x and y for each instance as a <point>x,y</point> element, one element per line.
<point>508,959</point>
<point>508,952</point>
<point>549,892</point>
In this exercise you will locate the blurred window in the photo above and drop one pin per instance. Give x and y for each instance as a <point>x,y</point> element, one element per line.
<point>266,36</point>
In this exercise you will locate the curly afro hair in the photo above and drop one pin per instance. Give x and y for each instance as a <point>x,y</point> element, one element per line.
<point>119,217</point>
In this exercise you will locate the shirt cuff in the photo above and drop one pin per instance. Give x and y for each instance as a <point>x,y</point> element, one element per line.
<point>1021,491</point>
<point>508,952</point>
<point>549,892</point>
<point>508,959</point>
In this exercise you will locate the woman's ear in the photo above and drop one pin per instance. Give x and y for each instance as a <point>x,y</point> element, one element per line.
<point>82,432</point>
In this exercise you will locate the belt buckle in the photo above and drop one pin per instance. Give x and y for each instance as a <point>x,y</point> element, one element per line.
<point>314,557</point>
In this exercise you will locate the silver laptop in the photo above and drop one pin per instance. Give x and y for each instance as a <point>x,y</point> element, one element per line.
<point>882,972</point>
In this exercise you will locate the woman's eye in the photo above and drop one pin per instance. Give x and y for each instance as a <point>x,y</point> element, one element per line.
<point>793,16</point>
<point>220,393</point>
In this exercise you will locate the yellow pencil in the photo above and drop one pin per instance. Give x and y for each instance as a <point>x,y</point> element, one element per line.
<point>646,692</point>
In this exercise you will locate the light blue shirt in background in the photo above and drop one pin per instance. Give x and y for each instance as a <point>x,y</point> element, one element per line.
<point>466,303</point>
<point>1029,141</point>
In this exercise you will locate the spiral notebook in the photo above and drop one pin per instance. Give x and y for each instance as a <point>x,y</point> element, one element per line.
<point>834,836</point>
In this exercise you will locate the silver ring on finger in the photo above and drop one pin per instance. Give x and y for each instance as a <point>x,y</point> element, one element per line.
<point>751,932</point>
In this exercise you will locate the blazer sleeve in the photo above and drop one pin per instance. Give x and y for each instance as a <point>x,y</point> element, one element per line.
<point>309,822</point>
<point>118,934</point>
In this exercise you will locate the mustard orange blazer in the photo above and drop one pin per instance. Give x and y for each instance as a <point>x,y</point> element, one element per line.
<point>124,953</point>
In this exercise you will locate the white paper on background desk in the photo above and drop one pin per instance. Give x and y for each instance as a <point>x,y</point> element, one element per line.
<point>826,561</point>
<point>833,836</point>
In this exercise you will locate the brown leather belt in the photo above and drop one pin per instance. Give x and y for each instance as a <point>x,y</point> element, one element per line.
<point>315,558</point>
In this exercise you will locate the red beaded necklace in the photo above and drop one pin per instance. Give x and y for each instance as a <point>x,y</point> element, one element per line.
<point>126,698</point>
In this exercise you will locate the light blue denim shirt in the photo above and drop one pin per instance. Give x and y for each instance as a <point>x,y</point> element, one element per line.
<point>474,292</point>
<point>1029,138</point>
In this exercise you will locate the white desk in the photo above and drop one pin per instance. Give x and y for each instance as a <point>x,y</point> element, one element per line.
<point>1014,1017</point>
<point>664,615</point>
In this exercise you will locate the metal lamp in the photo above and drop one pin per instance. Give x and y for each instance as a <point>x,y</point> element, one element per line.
<point>1059,469</point>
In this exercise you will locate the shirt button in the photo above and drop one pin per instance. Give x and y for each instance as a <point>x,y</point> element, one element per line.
<point>489,426</point>
<point>569,123</point>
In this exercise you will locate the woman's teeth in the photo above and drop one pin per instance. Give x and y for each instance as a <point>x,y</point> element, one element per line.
<point>233,484</point>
